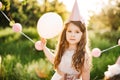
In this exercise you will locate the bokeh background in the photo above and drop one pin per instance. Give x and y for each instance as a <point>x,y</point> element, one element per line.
<point>19,60</point>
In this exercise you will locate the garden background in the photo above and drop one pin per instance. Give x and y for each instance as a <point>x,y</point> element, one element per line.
<point>19,60</point>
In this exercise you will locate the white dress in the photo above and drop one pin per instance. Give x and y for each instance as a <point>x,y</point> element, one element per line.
<point>65,65</point>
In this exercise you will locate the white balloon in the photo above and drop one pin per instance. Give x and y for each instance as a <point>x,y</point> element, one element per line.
<point>49,25</point>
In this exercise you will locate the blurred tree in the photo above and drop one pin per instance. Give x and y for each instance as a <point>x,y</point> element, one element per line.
<point>108,19</point>
<point>28,12</point>
<point>107,24</point>
<point>55,6</point>
<point>114,14</point>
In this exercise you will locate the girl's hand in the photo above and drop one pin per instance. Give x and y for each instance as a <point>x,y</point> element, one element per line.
<point>43,42</point>
<point>40,45</point>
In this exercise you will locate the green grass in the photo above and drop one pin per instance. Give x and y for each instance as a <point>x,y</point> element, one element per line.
<point>109,57</point>
<point>20,58</point>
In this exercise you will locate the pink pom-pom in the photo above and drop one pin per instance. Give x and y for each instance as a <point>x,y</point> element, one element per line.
<point>38,45</point>
<point>96,52</point>
<point>17,27</point>
<point>0,5</point>
<point>119,42</point>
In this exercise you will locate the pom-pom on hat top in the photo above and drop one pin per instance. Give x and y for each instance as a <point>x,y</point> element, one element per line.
<point>75,14</point>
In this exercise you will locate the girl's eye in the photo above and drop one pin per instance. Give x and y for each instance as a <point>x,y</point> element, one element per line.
<point>69,31</point>
<point>77,31</point>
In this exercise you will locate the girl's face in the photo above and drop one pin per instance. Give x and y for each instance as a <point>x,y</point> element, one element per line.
<point>73,34</point>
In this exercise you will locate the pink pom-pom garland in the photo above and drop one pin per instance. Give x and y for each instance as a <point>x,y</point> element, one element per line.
<point>17,27</point>
<point>96,52</point>
<point>0,5</point>
<point>38,45</point>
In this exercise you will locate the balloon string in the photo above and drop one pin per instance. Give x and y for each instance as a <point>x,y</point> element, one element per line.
<point>109,48</point>
<point>21,32</point>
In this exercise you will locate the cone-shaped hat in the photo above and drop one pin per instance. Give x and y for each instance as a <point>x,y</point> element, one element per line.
<point>75,14</point>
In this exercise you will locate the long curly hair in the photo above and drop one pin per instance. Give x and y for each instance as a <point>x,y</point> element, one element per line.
<point>79,57</point>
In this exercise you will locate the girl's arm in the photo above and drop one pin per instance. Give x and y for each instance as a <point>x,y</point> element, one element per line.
<point>50,56</point>
<point>86,74</point>
<point>86,69</point>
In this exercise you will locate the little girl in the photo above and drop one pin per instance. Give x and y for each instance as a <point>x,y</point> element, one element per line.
<point>71,61</point>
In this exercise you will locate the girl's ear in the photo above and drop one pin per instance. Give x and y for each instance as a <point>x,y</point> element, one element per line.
<point>118,60</point>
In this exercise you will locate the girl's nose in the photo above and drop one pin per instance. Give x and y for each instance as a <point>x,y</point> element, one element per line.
<point>73,34</point>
